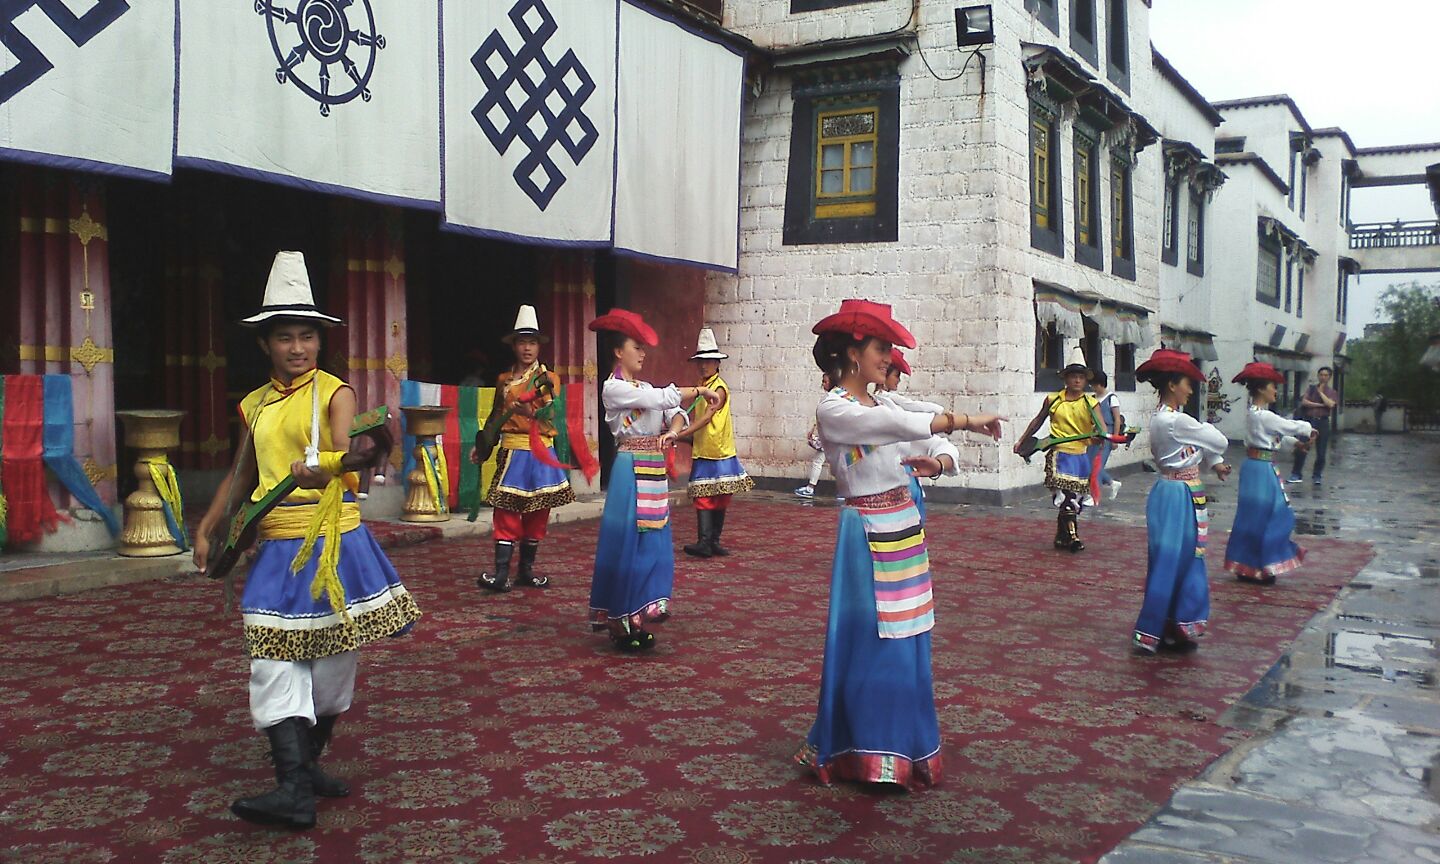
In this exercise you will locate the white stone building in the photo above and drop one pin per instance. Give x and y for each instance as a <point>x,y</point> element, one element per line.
<point>1062,184</point>
<point>951,195</point>
<point>1282,282</point>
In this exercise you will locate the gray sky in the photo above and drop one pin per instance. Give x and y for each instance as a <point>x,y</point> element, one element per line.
<point>1367,67</point>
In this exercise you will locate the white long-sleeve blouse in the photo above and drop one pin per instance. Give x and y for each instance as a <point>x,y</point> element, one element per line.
<point>1266,430</point>
<point>1179,441</point>
<point>636,408</point>
<point>864,444</point>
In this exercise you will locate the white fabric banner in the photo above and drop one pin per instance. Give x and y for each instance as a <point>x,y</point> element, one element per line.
<point>88,84</point>
<point>677,191</point>
<point>335,95</point>
<point>530,119</point>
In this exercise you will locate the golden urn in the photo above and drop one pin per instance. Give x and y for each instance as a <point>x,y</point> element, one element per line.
<point>426,422</point>
<point>152,434</point>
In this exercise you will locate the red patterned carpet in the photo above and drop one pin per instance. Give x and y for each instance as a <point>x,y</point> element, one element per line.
<point>503,730</point>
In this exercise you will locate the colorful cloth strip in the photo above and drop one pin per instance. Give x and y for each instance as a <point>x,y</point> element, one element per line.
<point>30,510</point>
<point>1261,455</point>
<point>859,451</point>
<point>167,485</point>
<point>59,451</point>
<point>1202,515</point>
<point>904,602</point>
<point>635,413</point>
<point>652,491</point>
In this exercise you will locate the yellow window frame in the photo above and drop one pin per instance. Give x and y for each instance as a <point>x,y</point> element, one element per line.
<point>1040,169</point>
<point>1117,211</point>
<point>1083,171</point>
<point>846,203</point>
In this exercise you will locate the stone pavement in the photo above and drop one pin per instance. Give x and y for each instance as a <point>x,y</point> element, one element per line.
<point>1346,763</point>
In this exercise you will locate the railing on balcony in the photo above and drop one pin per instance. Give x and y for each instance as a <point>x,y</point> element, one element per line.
<point>1394,235</point>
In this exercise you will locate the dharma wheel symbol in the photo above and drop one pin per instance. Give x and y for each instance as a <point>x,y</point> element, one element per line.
<point>316,35</point>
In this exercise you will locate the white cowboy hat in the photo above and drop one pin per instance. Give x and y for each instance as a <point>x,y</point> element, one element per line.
<point>288,294</point>
<point>526,324</point>
<point>706,348</point>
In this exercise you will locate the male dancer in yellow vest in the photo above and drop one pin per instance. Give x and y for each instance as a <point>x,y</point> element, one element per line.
<point>715,472</point>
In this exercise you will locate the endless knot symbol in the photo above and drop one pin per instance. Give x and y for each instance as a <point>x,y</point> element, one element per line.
<point>30,62</point>
<point>530,97</point>
<point>326,37</point>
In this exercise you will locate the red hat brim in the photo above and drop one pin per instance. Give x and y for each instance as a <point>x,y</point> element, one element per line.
<point>628,323</point>
<point>897,361</point>
<point>861,318</point>
<point>1258,371</point>
<point>1165,360</point>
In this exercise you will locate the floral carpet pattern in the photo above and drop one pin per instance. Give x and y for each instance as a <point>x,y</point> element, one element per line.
<point>502,729</point>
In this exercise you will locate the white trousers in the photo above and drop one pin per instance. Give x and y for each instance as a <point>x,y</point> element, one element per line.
<point>301,688</point>
<point>816,466</point>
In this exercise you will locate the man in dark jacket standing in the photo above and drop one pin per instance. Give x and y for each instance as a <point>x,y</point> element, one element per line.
<point>1317,407</point>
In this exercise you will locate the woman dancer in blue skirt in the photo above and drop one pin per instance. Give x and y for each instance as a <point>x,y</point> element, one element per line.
<point>1176,610</point>
<point>634,558</point>
<point>1260,547</point>
<point>876,721</point>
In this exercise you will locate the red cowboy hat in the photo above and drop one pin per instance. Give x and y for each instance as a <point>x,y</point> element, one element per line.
<point>628,323</point>
<point>1257,371</point>
<point>897,361</point>
<point>1167,360</point>
<point>861,318</point>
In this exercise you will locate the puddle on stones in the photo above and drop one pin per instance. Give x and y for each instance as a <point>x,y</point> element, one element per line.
<point>1316,523</point>
<point>1379,654</point>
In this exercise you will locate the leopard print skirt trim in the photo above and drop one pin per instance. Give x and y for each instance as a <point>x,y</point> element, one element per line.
<point>272,643</point>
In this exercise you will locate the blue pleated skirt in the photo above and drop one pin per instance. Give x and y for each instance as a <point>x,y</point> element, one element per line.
<point>1260,546</point>
<point>713,477</point>
<point>283,622</point>
<point>917,494</point>
<point>524,484</point>
<point>1177,592</point>
<point>634,572</point>
<point>876,721</point>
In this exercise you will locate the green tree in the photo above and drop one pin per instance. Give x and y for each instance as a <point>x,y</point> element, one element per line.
<point>1390,363</point>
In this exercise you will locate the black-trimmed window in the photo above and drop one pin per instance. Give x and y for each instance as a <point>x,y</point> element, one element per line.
<point>1049,356</point>
<point>1092,346</point>
<point>1267,272</point>
<point>1087,200</point>
<point>1083,29</point>
<point>1170,223</point>
<point>1342,288</point>
<point>1125,368</point>
<point>813,5</point>
<point>1300,290</point>
<point>1122,218</point>
<point>1230,145</point>
<point>1048,11</point>
<point>1195,234</point>
<point>1045,219</point>
<point>1297,148</point>
<point>1289,281</point>
<point>1117,43</point>
<point>844,174</point>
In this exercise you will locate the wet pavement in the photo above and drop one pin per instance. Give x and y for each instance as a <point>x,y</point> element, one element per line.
<point>1344,765</point>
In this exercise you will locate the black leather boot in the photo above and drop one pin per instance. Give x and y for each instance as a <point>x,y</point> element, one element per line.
<point>1062,537</point>
<point>325,785</point>
<point>705,519</point>
<point>498,581</point>
<point>1072,532</point>
<point>292,802</point>
<point>717,527</point>
<point>526,575</point>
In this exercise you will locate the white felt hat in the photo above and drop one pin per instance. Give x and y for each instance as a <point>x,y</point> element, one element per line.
<point>288,294</point>
<point>526,324</point>
<point>706,347</point>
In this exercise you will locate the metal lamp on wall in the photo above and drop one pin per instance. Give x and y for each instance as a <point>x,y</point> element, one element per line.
<point>974,25</point>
